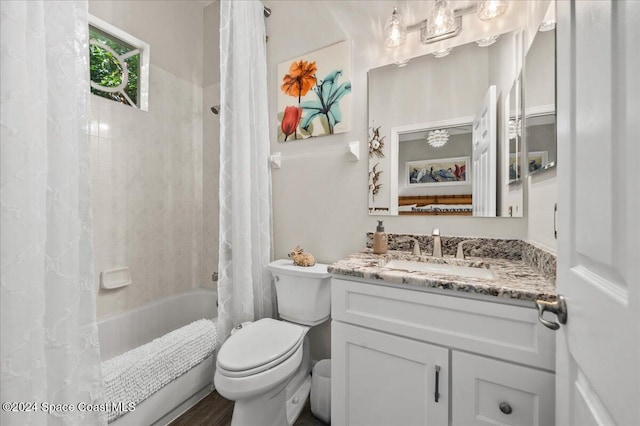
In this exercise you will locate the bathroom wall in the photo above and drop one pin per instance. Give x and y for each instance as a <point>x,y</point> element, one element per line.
<point>210,143</point>
<point>147,183</point>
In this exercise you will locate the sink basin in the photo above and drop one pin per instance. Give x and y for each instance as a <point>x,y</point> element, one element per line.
<point>440,268</point>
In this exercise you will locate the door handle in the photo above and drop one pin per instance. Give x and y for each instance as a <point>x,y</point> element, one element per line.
<point>559,307</point>
<point>437,393</point>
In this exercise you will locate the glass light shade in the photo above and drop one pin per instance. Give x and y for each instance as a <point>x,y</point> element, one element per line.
<point>442,52</point>
<point>440,19</point>
<point>395,32</point>
<point>489,9</point>
<point>438,138</point>
<point>547,26</point>
<point>487,41</point>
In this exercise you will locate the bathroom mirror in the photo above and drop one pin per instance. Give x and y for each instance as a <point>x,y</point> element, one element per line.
<point>540,102</point>
<point>435,135</point>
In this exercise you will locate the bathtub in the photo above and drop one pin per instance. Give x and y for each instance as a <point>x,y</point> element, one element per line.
<point>125,331</point>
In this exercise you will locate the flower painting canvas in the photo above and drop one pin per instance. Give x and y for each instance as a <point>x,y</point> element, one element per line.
<point>314,94</point>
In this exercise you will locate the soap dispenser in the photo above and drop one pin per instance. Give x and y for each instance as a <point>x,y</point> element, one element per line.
<point>380,239</point>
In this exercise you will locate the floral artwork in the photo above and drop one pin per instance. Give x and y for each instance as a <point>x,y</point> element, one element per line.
<point>314,94</point>
<point>374,179</point>
<point>376,143</point>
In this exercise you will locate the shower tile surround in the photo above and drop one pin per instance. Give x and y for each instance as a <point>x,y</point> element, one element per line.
<point>523,271</point>
<point>147,192</point>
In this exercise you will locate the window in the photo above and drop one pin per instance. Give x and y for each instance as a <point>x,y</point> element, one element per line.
<point>119,65</point>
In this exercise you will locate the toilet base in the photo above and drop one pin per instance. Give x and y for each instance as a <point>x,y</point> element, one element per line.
<point>280,406</point>
<point>295,404</point>
<point>272,409</point>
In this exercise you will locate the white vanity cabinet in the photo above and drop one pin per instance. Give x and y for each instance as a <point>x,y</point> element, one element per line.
<point>393,348</point>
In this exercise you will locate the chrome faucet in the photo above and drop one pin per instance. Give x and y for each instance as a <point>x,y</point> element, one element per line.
<point>437,243</point>
<point>460,252</point>
<point>416,247</point>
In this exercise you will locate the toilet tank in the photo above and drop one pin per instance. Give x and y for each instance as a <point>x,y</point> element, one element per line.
<point>304,293</point>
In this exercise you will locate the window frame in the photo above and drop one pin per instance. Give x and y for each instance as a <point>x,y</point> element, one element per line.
<point>145,53</point>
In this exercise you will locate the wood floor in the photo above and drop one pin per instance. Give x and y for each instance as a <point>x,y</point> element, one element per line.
<point>214,410</point>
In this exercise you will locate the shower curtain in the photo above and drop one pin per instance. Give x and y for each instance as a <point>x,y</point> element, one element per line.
<point>49,346</point>
<point>244,286</point>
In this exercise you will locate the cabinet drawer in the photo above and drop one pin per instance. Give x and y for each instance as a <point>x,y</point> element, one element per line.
<point>480,385</point>
<point>495,329</point>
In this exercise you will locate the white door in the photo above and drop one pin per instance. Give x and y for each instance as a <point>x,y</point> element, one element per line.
<point>483,167</point>
<point>387,379</point>
<point>598,350</point>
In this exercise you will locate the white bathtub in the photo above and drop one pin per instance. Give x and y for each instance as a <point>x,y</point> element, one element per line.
<point>125,331</point>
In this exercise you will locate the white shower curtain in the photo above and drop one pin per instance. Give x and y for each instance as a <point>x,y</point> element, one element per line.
<point>49,347</point>
<point>244,286</point>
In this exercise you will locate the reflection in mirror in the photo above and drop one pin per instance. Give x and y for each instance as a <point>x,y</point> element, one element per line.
<point>539,102</point>
<point>433,167</point>
<point>443,100</point>
<point>514,132</point>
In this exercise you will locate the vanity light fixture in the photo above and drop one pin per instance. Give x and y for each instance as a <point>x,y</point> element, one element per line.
<point>442,22</point>
<point>487,41</point>
<point>395,32</point>
<point>489,9</point>
<point>438,138</point>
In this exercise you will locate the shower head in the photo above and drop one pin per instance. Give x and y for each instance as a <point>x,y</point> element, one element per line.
<point>215,109</point>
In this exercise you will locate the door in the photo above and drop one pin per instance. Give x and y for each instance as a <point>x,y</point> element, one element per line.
<point>598,350</point>
<point>483,182</point>
<point>382,379</point>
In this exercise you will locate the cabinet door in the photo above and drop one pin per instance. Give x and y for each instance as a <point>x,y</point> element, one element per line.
<point>382,379</point>
<point>485,391</point>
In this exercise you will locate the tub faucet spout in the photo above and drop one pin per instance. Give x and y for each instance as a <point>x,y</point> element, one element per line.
<point>437,243</point>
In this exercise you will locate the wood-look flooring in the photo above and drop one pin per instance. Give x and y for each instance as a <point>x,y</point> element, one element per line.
<point>214,410</point>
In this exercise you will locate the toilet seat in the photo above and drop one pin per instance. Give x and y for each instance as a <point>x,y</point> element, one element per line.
<point>258,347</point>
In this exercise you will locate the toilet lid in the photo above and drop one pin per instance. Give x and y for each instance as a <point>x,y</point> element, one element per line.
<point>266,342</point>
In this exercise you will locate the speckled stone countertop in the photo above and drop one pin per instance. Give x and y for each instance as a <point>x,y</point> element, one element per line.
<point>514,278</point>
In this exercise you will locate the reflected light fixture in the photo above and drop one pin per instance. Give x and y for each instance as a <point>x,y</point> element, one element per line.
<point>395,32</point>
<point>489,9</point>
<point>442,52</point>
<point>438,138</point>
<point>515,128</point>
<point>547,26</point>
<point>487,41</point>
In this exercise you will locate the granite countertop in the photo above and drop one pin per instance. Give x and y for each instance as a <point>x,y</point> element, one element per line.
<point>514,278</point>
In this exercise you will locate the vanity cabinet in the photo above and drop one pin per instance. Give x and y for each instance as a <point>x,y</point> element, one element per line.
<point>494,362</point>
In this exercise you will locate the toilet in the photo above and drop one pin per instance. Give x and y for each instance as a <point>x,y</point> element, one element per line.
<point>264,366</point>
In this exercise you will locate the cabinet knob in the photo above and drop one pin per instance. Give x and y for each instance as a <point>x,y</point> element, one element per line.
<point>505,408</point>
